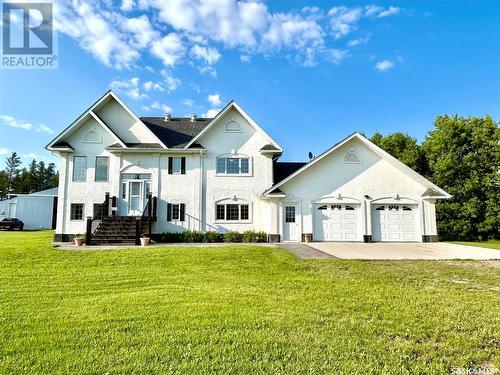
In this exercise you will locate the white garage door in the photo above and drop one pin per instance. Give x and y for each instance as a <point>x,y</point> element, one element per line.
<point>335,222</point>
<point>394,223</point>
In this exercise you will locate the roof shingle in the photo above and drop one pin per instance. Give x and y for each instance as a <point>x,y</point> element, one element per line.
<point>177,131</point>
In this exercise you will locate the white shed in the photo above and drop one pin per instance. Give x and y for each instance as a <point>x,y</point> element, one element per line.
<point>37,210</point>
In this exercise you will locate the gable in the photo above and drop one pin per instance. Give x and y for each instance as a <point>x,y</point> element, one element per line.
<point>115,117</point>
<point>128,128</point>
<point>345,166</point>
<point>90,135</point>
<point>230,127</point>
<point>220,140</point>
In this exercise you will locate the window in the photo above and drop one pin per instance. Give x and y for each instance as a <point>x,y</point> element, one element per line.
<point>336,207</point>
<point>136,176</point>
<point>233,165</point>
<point>352,157</point>
<point>177,165</point>
<point>406,208</point>
<point>79,168</point>
<point>101,168</point>
<point>322,207</point>
<point>176,212</point>
<point>393,208</point>
<point>99,211</point>
<point>124,190</point>
<point>76,211</point>
<point>232,212</point>
<point>380,208</point>
<point>289,214</point>
<point>349,208</point>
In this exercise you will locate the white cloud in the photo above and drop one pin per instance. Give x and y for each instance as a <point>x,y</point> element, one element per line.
<point>155,105</point>
<point>129,87</point>
<point>245,58</point>
<point>169,49</point>
<point>4,151</point>
<point>171,82</point>
<point>209,55</point>
<point>185,31</point>
<point>21,124</point>
<point>211,113</point>
<point>127,5</point>
<point>358,41</point>
<point>337,55</point>
<point>384,65</point>
<point>150,85</point>
<point>214,99</point>
<point>188,102</point>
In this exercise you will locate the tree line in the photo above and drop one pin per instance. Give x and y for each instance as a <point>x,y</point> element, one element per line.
<point>462,156</point>
<point>16,180</point>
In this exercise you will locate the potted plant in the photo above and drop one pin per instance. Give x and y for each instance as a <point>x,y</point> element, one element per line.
<point>145,240</point>
<point>79,239</point>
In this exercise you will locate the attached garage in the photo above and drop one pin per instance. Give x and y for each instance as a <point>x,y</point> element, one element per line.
<point>336,222</point>
<point>394,222</point>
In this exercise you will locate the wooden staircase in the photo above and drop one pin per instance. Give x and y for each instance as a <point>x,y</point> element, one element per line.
<point>115,230</point>
<point>123,230</point>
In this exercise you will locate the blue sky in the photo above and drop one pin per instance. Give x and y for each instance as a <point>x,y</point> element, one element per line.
<point>308,72</point>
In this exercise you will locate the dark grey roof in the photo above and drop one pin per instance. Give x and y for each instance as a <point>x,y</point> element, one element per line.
<point>282,170</point>
<point>177,131</point>
<point>270,147</point>
<point>62,145</point>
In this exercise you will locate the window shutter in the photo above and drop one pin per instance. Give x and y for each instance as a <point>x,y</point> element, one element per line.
<point>183,165</point>
<point>182,213</point>
<point>170,160</point>
<point>169,211</point>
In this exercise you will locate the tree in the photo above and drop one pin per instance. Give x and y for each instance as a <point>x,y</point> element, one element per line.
<point>12,169</point>
<point>464,159</point>
<point>404,148</point>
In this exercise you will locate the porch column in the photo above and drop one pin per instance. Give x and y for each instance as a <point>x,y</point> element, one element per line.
<point>274,232</point>
<point>366,208</point>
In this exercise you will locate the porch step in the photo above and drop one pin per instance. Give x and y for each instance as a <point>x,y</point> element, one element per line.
<point>115,230</point>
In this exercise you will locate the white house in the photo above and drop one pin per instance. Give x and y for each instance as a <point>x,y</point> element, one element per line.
<point>223,174</point>
<point>37,210</point>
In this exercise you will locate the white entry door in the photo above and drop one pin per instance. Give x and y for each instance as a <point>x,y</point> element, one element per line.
<point>135,198</point>
<point>291,226</point>
<point>335,222</point>
<point>394,223</point>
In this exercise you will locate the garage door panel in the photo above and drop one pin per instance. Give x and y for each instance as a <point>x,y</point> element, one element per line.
<point>336,222</point>
<point>394,223</point>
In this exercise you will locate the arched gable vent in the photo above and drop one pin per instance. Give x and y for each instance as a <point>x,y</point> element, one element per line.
<point>92,137</point>
<point>352,156</point>
<point>233,127</point>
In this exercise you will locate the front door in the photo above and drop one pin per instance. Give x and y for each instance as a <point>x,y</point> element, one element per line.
<point>291,230</point>
<point>135,198</point>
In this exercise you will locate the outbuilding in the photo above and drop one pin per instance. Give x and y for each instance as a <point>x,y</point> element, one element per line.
<point>37,210</point>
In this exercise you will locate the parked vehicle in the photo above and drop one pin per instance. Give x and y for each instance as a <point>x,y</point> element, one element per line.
<point>11,224</point>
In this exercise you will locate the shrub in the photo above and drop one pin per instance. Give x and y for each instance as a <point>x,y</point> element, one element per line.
<point>192,236</point>
<point>232,236</point>
<point>172,237</point>
<point>253,236</point>
<point>211,237</point>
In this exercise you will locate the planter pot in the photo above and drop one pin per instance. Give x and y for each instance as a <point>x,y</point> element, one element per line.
<point>145,241</point>
<point>79,241</point>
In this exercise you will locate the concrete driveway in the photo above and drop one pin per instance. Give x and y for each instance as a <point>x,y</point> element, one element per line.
<point>393,251</point>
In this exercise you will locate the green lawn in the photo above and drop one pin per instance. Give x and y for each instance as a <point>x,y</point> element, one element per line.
<point>239,310</point>
<point>491,244</point>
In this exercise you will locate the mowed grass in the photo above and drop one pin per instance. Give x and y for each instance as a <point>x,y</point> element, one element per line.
<point>242,309</point>
<point>491,244</point>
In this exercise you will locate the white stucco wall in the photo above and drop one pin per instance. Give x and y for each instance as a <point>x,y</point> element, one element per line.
<point>244,188</point>
<point>332,180</point>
